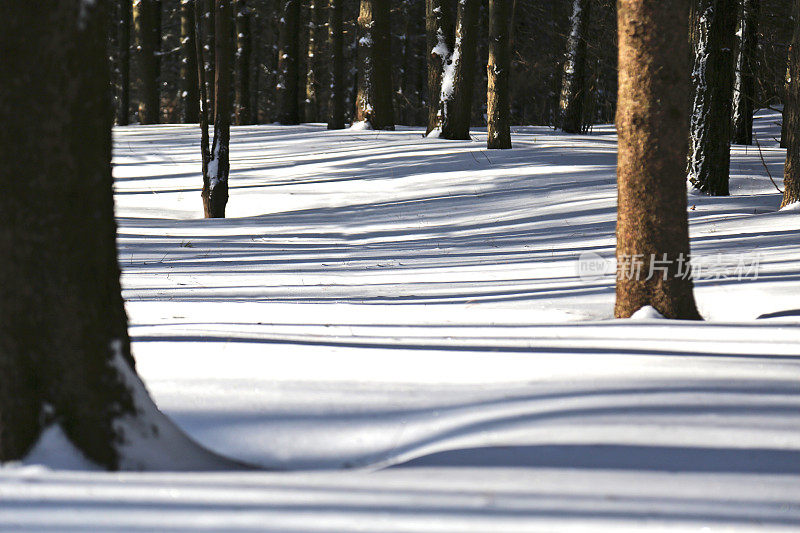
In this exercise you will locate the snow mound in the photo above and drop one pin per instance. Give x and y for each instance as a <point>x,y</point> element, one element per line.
<point>791,207</point>
<point>362,125</point>
<point>54,450</point>
<point>647,312</point>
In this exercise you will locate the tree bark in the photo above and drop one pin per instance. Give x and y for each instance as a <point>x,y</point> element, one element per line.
<point>458,77</point>
<point>791,173</point>
<point>124,42</point>
<point>288,58</point>
<point>210,19</point>
<point>244,111</point>
<point>744,93</point>
<point>336,114</point>
<point>710,130</point>
<point>64,348</point>
<point>147,20</point>
<point>573,85</point>
<point>652,120</point>
<point>499,66</point>
<point>189,97</point>
<point>439,37</point>
<point>215,172</point>
<point>374,100</point>
<point>314,69</point>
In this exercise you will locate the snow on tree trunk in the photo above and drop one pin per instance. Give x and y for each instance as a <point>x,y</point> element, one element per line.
<point>147,22</point>
<point>215,176</point>
<point>374,107</point>
<point>497,100</point>
<point>573,85</point>
<point>746,68</point>
<point>710,129</point>
<point>188,96</point>
<point>65,357</point>
<point>791,175</point>
<point>458,77</point>
<point>652,120</point>
<point>288,57</point>
<point>439,42</point>
<point>337,78</point>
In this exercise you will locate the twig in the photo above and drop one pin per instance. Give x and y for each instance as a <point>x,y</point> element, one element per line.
<point>755,138</point>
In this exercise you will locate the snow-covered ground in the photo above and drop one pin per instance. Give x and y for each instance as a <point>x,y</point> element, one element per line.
<point>396,328</point>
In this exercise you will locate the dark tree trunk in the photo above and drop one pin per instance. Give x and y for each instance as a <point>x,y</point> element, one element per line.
<point>64,347</point>
<point>374,101</point>
<point>746,69</point>
<point>210,51</point>
<point>288,59</point>
<point>652,120</point>
<point>148,36</point>
<point>710,130</point>
<point>497,101</point>
<point>244,111</point>
<point>439,40</point>
<point>573,85</point>
<point>189,96</point>
<point>124,42</point>
<point>458,78</point>
<point>216,164</point>
<point>336,51</point>
<point>791,174</point>
<point>314,65</point>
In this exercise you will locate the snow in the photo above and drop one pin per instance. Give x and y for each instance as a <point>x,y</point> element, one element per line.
<point>398,328</point>
<point>646,313</point>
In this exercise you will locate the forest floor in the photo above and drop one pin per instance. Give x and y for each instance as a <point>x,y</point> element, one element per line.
<point>399,328</point>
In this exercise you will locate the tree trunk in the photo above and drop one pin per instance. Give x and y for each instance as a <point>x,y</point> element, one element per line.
<point>288,109</point>
<point>374,100</point>
<point>573,85</point>
<point>744,93</point>
<point>147,19</point>
<point>210,48</point>
<point>244,111</point>
<point>439,36</point>
<point>124,42</point>
<point>314,70</point>
<point>217,167</point>
<point>652,120</point>
<point>791,173</point>
<point>458,77</point>
<point>497,101</point>
<point>65,357</point>
<point>336,51</point>
<point>710,130</point>
<point>189,96</point>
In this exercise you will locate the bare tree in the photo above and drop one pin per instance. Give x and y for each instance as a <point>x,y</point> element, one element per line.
<point>652,120</point>
<point>791,175</point>
<point>244,16</point>
<point>288,59</point>
<point>573,85</point>
<point>497,98</point>
<point>147,22</point>
<point>710,130</point>
<point>124,42</point>
<point>374,100</point>
<point>744,93</point>
<point>337,78</point>
<point>439,40</point>
<point>458,78</point>
<point>189,96</point>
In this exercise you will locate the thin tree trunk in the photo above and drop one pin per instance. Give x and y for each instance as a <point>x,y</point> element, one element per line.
<point>314,61</point>
<point>244,112</point>
<point>374,100</point>
<point>746,68</point>
<point>710,130</point>
<point>439,40</point>
<point>288,58</point>
<point>189,97</point>
<point>336,50</point>
<point>458,78</point>
<point>124,42</point>
<point>147,20</point>
<point>573,85</point>
<point>210,47</point>
<point>215,177</point>
<point>497,100</point>
<point>791,173</point>
<point>65,353</point>
<point>652,120</point>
